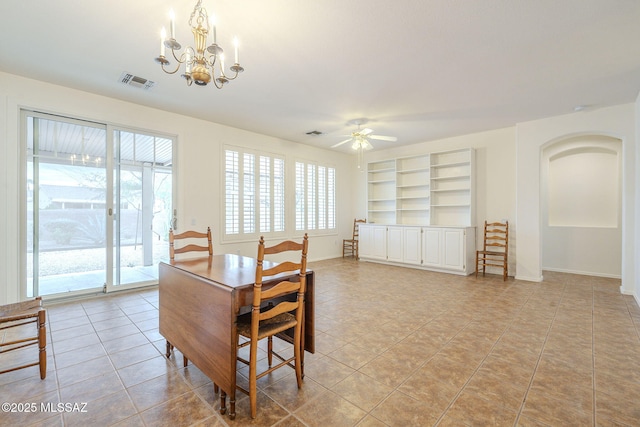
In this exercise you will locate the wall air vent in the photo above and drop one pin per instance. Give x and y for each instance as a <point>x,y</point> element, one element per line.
<point>136,81</point>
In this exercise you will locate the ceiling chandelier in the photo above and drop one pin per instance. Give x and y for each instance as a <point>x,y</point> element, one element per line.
<point>200,67</point>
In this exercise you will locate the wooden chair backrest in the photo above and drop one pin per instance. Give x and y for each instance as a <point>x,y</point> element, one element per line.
<point>285,287</point>
<point>356,227</point>
<point>496,236</point>
<point>191,247</point>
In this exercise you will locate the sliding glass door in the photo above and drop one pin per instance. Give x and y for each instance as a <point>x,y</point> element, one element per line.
<point>142,191</point>
<point>98,205</point>
<point>66,205</point>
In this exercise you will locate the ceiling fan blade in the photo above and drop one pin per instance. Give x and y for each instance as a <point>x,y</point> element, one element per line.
<point>366,145</point>
<point>383,138</point>
<point>366,131</point>
<point>340,143</point>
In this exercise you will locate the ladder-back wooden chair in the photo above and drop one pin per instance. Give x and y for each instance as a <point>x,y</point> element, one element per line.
<point>190,247</point>
<point>272,313</point>
<point>17,315</point>
<point>350,246</point>
<point>188,237</point>
<point>495,249</point>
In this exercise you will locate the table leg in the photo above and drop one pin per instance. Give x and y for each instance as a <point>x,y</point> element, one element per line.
<point>232,410</point>
<point>223,402</point>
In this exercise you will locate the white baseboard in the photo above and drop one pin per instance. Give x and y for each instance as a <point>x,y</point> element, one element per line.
<point>584,273</point>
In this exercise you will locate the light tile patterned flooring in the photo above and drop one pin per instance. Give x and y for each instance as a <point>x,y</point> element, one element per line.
<point>395,347</point>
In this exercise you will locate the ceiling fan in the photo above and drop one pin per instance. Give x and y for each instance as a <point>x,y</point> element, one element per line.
<point>360,138</point>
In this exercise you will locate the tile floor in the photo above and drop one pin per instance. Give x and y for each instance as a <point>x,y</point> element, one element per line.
<point>395,347</point>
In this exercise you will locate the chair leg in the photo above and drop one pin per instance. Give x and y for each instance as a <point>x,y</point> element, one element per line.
<point>270,350</point>
<point>42,343</point>
<point>477,264</point>
<point>169,348</point>
<point>253,382</point>
<point>185,361</point>
<point>297,335</point>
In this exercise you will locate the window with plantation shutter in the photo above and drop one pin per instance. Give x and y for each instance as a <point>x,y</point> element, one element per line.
<point>315,197</point>
<point>255,193</point>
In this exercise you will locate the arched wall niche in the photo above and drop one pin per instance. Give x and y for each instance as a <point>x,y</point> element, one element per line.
<point>581,205</point>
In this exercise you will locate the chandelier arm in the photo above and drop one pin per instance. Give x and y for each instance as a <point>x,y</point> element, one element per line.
<point>237,69</point>
<point>215,82</point>
<point>179,60</point>
<point>209,60</point>
<point>171,72</point>
<point>232,78</point>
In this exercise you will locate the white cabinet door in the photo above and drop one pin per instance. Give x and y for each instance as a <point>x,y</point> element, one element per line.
<point>411,247</point>
<point>394,244</point>
<point>444,249</point>
<point>365,241</point>
<point>373,241</point>
<point>380,242</point>
<point>431,253</point>
<point>453,248</point>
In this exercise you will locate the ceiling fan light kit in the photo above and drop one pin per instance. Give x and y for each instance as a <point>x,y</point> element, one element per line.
<point>199,68</point>
<point>360,139</point>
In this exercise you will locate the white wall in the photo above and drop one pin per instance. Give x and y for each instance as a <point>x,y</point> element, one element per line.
<point>635,233</point>
<point>617,122</point>
<point>495,176</point>
<point>198,166</point>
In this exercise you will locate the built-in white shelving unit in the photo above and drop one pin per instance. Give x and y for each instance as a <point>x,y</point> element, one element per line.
<point>412,190</point>
<point>381,196</point>
<point>453,187</point>
<point>421,212</point>
<point>429,189</point>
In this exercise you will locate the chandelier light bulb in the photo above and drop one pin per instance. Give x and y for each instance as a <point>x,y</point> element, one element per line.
<point>163,37</point>
<point>212,24</point>
<point>235,46</point>
<point>172,23</point>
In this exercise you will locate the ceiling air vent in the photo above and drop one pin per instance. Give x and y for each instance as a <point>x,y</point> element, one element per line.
<point>135,81</point>
<point>314,132</point>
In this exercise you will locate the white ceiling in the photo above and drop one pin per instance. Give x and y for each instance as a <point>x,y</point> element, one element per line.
<point>418,69</point>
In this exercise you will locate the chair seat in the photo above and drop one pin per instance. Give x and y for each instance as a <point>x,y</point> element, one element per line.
<point>20,310</point>
<point>19,315</point>
<point>268,327</point>
<point>494,253</point>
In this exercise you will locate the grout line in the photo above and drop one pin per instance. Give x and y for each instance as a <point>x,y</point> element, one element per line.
<point>535,369</point>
